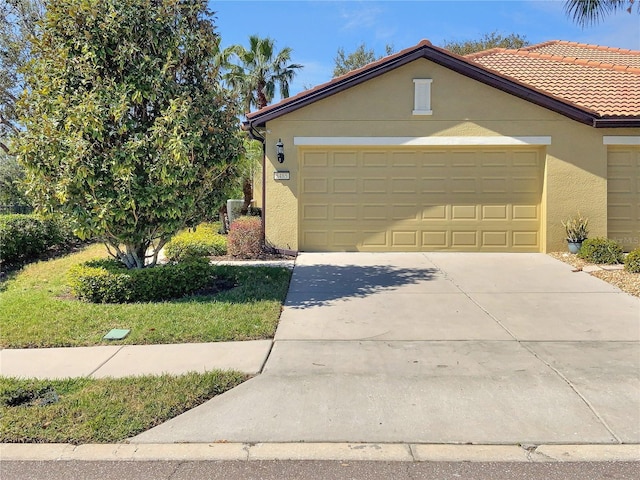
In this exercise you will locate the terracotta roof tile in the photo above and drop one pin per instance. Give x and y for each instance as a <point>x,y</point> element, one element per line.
<point>616,56</point>
<point>601,79</point>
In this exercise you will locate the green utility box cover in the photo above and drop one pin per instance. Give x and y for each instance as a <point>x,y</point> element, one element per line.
<point>116,334</point>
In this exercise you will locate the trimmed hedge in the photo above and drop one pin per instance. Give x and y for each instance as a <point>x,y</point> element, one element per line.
<point>28,236</point>
<point>203,241</point>
<point>601,250</point>
<point>245,237</point>
<point>108,281</point>
<point>632,261</point>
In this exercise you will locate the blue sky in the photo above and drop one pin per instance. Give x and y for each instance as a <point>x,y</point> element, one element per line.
<point>316,29</point>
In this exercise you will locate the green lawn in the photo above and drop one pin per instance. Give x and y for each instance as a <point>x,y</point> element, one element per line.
<point>84,410</point>
<point>37,310</point>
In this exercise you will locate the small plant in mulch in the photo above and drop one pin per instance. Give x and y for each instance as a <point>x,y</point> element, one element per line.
<point>601,251</point>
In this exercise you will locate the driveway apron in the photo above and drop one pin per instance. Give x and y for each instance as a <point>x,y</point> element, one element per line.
<point>437,348</point>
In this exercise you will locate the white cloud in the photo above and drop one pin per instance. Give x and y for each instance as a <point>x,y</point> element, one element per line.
<point>363,16</point>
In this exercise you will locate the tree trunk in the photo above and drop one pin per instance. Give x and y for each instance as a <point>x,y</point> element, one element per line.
<point>247,190</point>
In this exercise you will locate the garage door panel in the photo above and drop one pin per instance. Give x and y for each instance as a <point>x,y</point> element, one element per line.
<point>405,212</point>
<point>404,185</point>
<point>422,200</point>
<point>495,239</point>
<point>464,159</point>
<point>525,158</point>
<point>345,238</point>
<point>375,239</point>
<point>463,185</point>
<point>345,212</point>
<point>345,159</point>
<point>495,185</point>
<point>374,185</point>
<point>464,212</point>
<point>344,185</point>
<point>464,239</point>
<point>525,239</point>
<point>314,185</point>
<point>404,159</point>
<point>374,159</point>
<point>434,212</point>
<point>315,159</point>
<point>374,212</point>
<point>404,239</point>
<point>494,212</point>
<point>434,185</point>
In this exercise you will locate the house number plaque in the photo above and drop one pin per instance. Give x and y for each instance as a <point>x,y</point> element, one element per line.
<point>282,175</point>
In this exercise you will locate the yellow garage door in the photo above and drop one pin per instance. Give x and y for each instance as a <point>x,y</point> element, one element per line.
<point>463,199</point>
<point>623,202</point>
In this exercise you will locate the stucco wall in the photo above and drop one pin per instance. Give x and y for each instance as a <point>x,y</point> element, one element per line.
<point>575,169</point>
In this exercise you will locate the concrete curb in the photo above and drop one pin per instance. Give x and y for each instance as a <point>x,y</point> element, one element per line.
<point>397,452</point>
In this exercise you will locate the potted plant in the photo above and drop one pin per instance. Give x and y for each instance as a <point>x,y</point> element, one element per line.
<point>577,232</point>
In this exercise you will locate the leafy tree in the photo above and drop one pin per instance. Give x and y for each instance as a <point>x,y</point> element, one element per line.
<point>11,177</point>
<point>18,22</point>
<point>591,12</point>
<point>128,131</point>
<point>254,74</point>
<point>486,42</point>
<point>360,57</point>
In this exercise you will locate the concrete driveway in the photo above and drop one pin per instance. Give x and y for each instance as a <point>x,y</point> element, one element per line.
<point>437,348</point>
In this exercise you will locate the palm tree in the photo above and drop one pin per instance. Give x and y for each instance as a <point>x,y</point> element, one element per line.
<point>254,77</point>
<point>590,12</point>
<point>259,70</point>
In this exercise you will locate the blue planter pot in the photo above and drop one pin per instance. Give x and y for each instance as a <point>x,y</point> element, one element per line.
<point>574,247</point>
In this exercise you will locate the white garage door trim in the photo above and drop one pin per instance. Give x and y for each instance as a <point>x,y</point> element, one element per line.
<point>621,140</point>
<point>418,141</point>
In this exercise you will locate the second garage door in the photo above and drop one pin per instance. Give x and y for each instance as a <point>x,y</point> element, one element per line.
<point>623,196</point>
<point>461,199</point>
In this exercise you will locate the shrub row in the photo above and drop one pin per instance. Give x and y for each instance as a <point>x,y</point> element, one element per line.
<point>202,241</point>
<point>23,237</point>
<point>108,281</point>
<point>632,261</point>
<point>604,251</point>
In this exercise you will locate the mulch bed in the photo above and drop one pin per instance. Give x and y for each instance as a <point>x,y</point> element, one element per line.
<point>625,281</point>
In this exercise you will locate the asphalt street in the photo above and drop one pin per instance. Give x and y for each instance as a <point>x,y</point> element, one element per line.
<point>315,470</point>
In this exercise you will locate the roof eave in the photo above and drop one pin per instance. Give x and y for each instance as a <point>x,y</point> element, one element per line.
<point>441,57</point>
<point>618,122</point>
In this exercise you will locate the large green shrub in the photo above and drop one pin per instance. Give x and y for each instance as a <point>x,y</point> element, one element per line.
<point>108,281</point>
<point>28,236</point>
<point>202,241</point>
<point>601,250</point>
<point>632,261</point>
<point>245,237</point>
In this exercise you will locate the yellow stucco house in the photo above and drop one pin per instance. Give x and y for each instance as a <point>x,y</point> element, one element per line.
<point>426,150</point>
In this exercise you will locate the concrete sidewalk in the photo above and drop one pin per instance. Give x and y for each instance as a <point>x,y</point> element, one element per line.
<point>131,360</point>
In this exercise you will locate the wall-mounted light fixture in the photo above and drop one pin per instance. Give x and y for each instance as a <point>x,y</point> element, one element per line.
<point>280,150</point>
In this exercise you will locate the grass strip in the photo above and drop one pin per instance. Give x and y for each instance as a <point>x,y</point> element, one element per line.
<point>84,410</point>
<point>38,311</point>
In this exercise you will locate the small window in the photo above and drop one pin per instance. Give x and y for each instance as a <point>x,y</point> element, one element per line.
<point>422,96</point>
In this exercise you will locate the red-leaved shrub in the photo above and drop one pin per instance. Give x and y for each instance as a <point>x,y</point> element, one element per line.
<point>245,237</point>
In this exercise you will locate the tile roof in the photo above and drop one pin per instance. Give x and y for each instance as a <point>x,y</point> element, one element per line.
<point>598,86</point>
<point>616,56</point>
<point>602,80</point>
